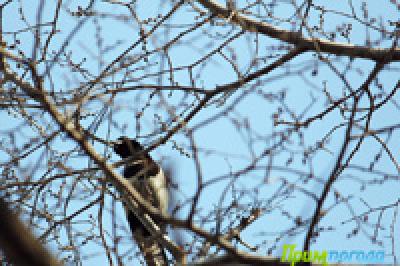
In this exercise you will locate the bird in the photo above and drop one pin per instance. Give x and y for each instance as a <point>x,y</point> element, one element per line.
<point>148,178</point>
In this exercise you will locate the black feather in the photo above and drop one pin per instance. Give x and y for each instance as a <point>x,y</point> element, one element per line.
<point>142,167</point>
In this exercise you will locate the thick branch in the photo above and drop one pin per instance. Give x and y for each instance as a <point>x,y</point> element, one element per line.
<point>296,38</point>
<point>18,243</point>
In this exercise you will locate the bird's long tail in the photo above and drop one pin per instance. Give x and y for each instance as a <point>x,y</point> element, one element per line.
<point>149,245</point>
<point>151,249</point>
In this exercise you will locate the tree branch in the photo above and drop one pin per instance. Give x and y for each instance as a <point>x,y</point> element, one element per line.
<point>296,38</point>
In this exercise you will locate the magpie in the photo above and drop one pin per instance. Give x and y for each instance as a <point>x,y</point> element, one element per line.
<point>148,178</point>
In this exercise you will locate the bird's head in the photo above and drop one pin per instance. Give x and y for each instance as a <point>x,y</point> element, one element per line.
<point>126,147</point>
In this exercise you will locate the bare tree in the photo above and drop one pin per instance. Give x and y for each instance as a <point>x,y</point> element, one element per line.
<point>276,121</point>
